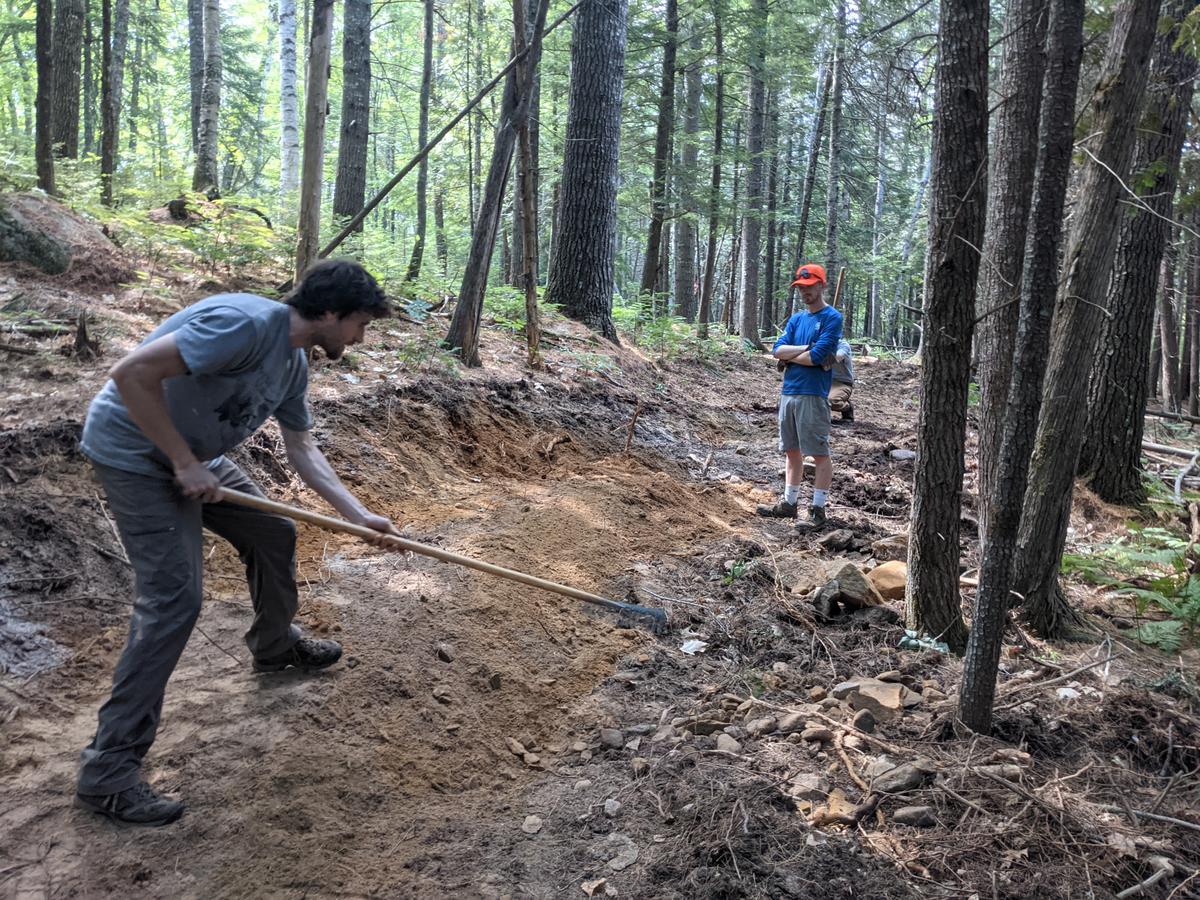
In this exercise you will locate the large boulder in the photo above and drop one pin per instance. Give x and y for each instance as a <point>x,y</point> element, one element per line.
<point>38,231</point>
<point>889,579</point>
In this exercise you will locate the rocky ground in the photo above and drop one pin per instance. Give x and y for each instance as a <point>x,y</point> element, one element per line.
<point>781,739</point>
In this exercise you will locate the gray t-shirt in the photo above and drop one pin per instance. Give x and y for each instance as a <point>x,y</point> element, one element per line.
<point>241,370</point>
<point>844,371</point>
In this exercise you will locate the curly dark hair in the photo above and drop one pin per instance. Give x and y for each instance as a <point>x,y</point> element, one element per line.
<point>339,286</point>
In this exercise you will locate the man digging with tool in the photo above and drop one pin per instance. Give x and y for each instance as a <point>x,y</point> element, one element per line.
<point>808,342</point>
<point>199,385</point>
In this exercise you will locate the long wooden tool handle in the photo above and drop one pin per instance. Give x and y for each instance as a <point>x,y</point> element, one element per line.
<point>837,290</point>
<point>331,524</point>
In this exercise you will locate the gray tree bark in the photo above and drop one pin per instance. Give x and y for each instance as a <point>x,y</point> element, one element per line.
<point>956,218</point>
<point>804,200</point>
<point>67,46</point>
<point>752,222</point>
<point>350,187</point>
<point>289,112</point>
<point>685,226</point>
<point>316,111</point>
<point>418,249</point>
<point>714,192</point>
<point>833,207</point>
<point>662,154</point>
<point>43,141</point>
<point>195,11</point>
<point>204,179</point>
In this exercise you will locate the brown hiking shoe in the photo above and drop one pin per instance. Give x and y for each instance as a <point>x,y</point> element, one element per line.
<point>815,522</point>
<point>780,510</point>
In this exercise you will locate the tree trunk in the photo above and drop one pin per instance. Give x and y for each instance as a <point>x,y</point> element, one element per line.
<point>752,223</point>
<point>439,194</point>
<point>44,147</point>
<point>906,247</point>
<point>116,40</point>
<point>1064,42</point>
<point>1194,318</point>
<point>195,11</point>
<point>714,195</point>
<point>1169,320</point>
<point>316,111</point>
<point>685,225</point>
<point>67,44</point>
<point>956,220</point>
<point>1118,386</point>
<point>89,85</point>
<point>769,323</point>
<point>810,178</point>
<point>527,171</point>
<point>833,190</point>
<point>135,92</point>
<point>289,114</point>
<point>350,188</point>
<point>463,336</point>
<point>204,179</point>
<point>871,325</point>
<point>418,250</point>
<point>735,252</point>
<point>1010,179</point>
<point>1086,267</point>
<point>662,153</point>
<point>581,275</point>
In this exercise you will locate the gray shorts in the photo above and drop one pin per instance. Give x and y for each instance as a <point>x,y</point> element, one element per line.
<point>804,424</point>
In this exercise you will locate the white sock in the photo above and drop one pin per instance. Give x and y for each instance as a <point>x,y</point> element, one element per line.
<point>791,493</point>
<point>819,497</point>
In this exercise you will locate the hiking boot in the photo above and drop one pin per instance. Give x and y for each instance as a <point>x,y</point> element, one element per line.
<point>780,510</point>
<point>138,805</point>
<point>848,414</point>
<point>306,653</point>
<point>816,519</point>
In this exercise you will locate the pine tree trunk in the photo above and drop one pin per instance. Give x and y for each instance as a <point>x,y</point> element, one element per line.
<point>907,246</point>
<point>833,207</point>
<point>463,336</point>
<point>1064,42</point>
<point>771,148</point>
<point>662,153</point>
<point>871,325</point>
<point>67,44</point>
<point>89,85</point>
<point>115,43</point>
<point>1010,179</point>
<point>810,179</point>
<point>527,186</point>
<point>195,10</point>
<point>685,226</point>
<point>316,111</point>
<point>44,147</point>
<point>1118,387</point>
<point>418,250</point>
<point>204,179</point>
<point>350,187</point>
<point>956,219</point>
<point>1169,320</point>
<point>289,114</point>
<point>1194,317</point>
<point>135,92</point>
<point>439,193</point>
<point>581,275</point>
<point>714,195</point>
<point>1086,266</point>
<point>752,223</point>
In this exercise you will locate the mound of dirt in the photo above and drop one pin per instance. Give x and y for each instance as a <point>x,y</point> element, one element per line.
<point>39,232</point>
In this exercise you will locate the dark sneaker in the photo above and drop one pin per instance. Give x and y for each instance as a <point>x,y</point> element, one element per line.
<point>306,653</point>
<point>138,805</point>
<point>816,519</point>
<point>780,510</point>
<point>848,414</point>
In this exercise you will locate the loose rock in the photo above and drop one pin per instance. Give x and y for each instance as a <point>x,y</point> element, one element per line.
<point>612,738</point>
<point>836,541</point>
<point>445,653</point>
<point>917,816</point>
<point>890,548</point>
<point>612,807</point>
<point>726,744</point>
<point>531,825</point>
<point>889,579</point>
<point>864,721</point>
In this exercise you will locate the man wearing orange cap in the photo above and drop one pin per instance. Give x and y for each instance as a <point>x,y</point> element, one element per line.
<point>808,344</point>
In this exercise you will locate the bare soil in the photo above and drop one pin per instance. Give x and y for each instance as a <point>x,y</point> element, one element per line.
<point>394,774</point>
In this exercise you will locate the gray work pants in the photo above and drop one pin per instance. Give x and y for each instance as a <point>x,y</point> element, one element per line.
<point>161,531</point>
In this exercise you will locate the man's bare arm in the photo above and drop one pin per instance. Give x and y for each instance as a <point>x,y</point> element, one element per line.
<point>139,379</point>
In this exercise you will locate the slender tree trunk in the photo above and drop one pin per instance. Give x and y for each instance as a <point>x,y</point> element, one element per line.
<point>195,10</point>
<point>772,161</point>
<point>833,192</point>
<point>1064,43</point>
<point>1118,389</point>
<point>135,91</point>
<point>1010,179</point>
<point>1183,269</point>
<point>956,219</point>
<point>68,44</point>
<point>1169,320</point>
<point>752,223</point>
<point>1086,267</point>
<point>316,111</point>
<point>204,179</point>
<point>289,114</point>
<point>526,75</point>
<point>685,226</point>
<point>735,253</point>
<point>89,84</point>
<point>1194,318</point>
<point>115,42</point>
<point>418,250</point>
<point>662,153</point>
<point>581,275</point>
<point>44,147</point>
<point>350,188</point>
<point>714,194</point>
<point>810,179</point>
<point>439,193</point>
<point>463,336</point>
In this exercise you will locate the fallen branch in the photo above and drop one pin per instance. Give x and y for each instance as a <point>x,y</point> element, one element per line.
<point>632,423</point>
<point>23,351</point>
<point>1142,814</point>
<point>1162,869</point>
<point>1060,678</point>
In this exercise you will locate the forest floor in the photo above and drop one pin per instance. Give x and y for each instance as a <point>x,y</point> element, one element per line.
<point>484,739</point>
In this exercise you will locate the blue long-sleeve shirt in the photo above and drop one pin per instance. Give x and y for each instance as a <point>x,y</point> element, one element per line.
<point>820,331</point>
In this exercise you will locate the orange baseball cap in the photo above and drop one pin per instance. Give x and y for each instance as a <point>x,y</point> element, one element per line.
<point>809,273</point>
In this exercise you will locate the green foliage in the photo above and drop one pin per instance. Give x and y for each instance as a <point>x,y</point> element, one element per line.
<point>1150,568</point>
